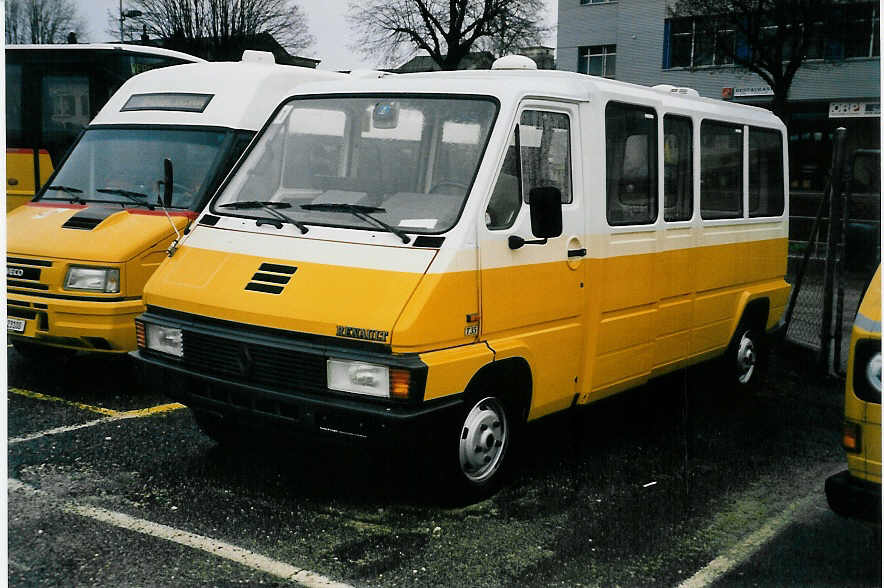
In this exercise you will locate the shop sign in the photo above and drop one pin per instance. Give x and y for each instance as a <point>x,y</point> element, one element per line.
<point>748,91</point>
<point>854,109</point>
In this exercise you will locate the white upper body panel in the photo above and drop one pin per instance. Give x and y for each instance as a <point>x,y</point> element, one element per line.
<point>243,94</point>
<point>122,47</point>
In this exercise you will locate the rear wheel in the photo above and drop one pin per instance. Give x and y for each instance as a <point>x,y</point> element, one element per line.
<point>745,359</point>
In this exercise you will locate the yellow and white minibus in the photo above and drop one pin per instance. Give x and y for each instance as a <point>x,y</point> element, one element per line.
<point>857,490</point>
<point>78,255</point>
<point>52,92</point>
<point>452,254</point>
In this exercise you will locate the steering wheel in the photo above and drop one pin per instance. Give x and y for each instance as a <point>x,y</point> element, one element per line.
<point>443,187</point>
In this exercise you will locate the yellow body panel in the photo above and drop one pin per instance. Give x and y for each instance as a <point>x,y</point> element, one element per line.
<point>133,242</point>
<point>318,298</point>
<point>865,465</point>
<point>450,370</point>
<point>20,175</point>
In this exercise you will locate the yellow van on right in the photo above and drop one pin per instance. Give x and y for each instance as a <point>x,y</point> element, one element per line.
<point>857,491</point>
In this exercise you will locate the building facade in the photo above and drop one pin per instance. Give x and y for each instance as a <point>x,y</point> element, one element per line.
<point>639,41</point>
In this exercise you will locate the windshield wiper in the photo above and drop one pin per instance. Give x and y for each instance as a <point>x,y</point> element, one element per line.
<point>70,191</point>
<point>270,206</point>
<point>133,196</point>
<point>358,211</point>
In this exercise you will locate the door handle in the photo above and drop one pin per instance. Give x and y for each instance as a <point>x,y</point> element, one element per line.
<point>577,252</point>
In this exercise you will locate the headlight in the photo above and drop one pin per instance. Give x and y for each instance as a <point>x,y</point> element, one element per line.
<point>873,372</point>
<point>93,279</point>
<point>358,377</point>
<point>867,370</point>
<point>164,339</point>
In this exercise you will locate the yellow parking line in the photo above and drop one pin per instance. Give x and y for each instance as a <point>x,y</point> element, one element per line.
<point>38,396</point>
<point>142,412</point>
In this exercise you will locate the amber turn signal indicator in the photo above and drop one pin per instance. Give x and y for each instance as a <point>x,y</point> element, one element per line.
<point>400,382</point>
<point>850,437</point>
<point>139,334</point>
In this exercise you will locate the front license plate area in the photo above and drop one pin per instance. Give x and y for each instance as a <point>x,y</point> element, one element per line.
<point>15,325</point>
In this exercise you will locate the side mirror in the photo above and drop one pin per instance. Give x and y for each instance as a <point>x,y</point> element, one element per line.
<point>546,211</point>
<point>168,180</point>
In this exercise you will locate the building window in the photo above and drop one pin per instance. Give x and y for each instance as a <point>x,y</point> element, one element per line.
<point>694,42</point>
<point>598,60</point>
<point>852,30</point>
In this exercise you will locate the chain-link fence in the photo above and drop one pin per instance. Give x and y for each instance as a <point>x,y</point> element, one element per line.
<point>830,268</point>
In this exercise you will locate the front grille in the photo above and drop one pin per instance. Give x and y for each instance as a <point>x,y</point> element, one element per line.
<point>26,273</point>
<point>30,285</point>
<point>22,313</point>
<point>281,369</point>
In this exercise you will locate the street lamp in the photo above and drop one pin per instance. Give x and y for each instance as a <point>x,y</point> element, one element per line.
<point>125,15</point>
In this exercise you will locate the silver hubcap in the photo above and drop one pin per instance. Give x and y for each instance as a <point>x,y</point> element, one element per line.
<point>483,440</point>
<point>745,358</point>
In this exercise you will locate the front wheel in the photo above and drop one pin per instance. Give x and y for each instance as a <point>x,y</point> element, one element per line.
<point>484,438</point>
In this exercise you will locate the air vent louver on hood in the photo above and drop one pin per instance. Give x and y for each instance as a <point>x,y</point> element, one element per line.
<point>89,218</point>
<point>271,278</point>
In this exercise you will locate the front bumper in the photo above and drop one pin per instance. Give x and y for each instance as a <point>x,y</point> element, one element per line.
<point>851,497</point>
<point>90,325</point>
<point>332,417</point>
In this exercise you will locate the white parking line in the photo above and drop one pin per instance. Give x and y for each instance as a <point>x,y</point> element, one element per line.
<point>741,552</point>
<point>58,430</point>
<point>211,546</point>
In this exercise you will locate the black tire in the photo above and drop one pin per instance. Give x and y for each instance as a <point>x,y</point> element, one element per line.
<point>35,351</point>
<point>479,454</point>
<point>745,360</point>
<point>215,426</point>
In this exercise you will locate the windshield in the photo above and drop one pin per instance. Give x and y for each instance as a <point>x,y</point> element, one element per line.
<point>403,162</point>
<point>123,165</point>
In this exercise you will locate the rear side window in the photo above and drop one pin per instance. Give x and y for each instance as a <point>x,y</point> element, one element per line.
<point>721,170</point>
<point>631,164</point>
<point>766,197</point>
<point>678,168</point>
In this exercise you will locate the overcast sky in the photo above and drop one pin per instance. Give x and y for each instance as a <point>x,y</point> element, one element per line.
<point>326,20</point>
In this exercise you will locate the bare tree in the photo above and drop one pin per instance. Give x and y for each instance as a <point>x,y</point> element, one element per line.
<point>771,38</point>
<point>393,30</point>
<point>221,26</point>
<point>41,21</point>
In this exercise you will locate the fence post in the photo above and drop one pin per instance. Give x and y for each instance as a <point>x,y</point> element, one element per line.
<point>829,282</point>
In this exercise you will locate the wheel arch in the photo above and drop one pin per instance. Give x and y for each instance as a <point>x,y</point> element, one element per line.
<point>512,381</point>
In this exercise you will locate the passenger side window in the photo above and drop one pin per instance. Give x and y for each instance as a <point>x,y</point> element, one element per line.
<point>545,142</point>
<point>766,197</point>
<point>721,170</point>
<point>506,199</point>
<point>678,168</point>
<point>631,164</point>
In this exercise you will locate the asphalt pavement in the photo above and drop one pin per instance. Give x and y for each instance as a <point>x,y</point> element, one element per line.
<point>110,484</point>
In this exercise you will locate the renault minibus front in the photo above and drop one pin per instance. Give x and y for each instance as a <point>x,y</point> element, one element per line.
<point>79,255</point>
<point>332,275</point>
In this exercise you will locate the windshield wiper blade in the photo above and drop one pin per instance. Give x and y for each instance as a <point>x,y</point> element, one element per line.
<point>133,196</point>
<point>359,211</point>
<point>255,204</point>
<point>70,191</point>
<point>269,206</point>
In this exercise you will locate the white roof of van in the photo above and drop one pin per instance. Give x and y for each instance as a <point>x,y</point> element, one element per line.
<point>514,85</point>
<point>243,93</point>
<point>143,49</point>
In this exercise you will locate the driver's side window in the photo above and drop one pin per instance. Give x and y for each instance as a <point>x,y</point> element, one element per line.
<point>506,199</point>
